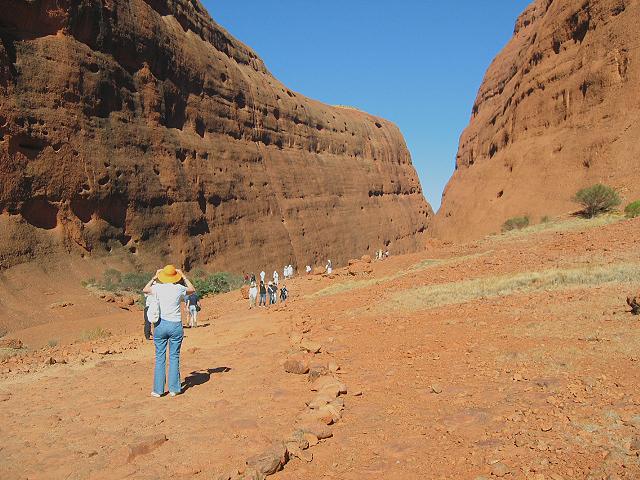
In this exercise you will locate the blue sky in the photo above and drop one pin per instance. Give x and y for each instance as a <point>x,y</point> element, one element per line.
<point>418,63</point>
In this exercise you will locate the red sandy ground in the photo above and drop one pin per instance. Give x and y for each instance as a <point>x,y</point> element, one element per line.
<point>531,385</point>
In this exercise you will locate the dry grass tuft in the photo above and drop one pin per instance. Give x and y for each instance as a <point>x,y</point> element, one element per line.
<point>564,225</point>
<point>94,334</point>
<point>479,288</point>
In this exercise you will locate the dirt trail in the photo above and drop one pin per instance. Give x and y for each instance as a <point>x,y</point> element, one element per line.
<point>536,381</point>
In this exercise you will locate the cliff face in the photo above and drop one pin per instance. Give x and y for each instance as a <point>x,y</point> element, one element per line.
<point>558,110</point>
<point>142,126</point>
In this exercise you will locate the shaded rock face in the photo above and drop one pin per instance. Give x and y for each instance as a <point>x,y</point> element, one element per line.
<point>142,126</point>
<point>558,110</point>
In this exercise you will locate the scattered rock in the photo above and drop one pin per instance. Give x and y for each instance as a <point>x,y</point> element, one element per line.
<point>318,430</point>
<point>356,393</point>
<point>304,455</point>
<point>320,401</point>
<point>296,366</point>
<point>311,439</point>
<point>145,445</point>
<point>56,305</point>
<point>50,361</point>
<point>298,438</point>
<point>333,367</point>
<point>12,343</point>
<point>269,462</point>
<point>295,338</point>
<point>366,258</point>
<point>437,389</point>
<point>4,397</point>
<point>500,470</point>
<point>546,427</point>
<point>310,346</point>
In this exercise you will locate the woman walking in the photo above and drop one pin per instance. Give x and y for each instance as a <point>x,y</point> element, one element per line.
<point>169,294</point>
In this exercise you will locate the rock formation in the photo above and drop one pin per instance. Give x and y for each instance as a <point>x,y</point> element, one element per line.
<point>558,110</point>
<point>141,126</point>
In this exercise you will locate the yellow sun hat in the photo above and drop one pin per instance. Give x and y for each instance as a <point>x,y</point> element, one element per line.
<point>169,274</point>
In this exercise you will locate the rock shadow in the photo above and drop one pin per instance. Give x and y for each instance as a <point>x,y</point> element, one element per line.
<point>200,377</point>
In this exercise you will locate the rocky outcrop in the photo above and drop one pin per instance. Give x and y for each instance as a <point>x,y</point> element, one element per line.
<point>141,126</point>
<point>557,111</point>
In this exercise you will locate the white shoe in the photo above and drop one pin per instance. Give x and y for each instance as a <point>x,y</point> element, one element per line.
<point>173,394</point>
<point>154,394</point>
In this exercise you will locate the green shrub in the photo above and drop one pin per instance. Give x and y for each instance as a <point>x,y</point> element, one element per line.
<point>545,219</point>
<point>215,283</point>
<point>52,343</point>
<point>597,199</point>
<point>633,209</point>
<point>515,223</point>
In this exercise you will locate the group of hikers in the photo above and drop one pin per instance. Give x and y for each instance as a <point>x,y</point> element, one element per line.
<point>268,290</point>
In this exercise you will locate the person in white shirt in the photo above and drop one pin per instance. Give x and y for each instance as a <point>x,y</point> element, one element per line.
<point>276,277</point>
<point>169,293</point>
<point>308,269</point>
<point>253,294</point>
<point>262,275</point>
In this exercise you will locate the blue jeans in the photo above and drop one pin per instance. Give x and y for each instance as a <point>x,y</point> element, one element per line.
<point>171,333</point>
<point>263,299</point>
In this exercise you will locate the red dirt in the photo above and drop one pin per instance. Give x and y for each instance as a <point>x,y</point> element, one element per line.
<point>538,383</point>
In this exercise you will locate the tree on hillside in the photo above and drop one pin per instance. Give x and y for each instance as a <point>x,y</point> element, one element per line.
<point>597,199</point>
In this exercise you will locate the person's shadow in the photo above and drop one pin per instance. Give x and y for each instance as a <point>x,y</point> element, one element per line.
<point>200,377</point>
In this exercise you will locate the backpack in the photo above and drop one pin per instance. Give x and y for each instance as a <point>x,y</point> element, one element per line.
<point>153,312</point>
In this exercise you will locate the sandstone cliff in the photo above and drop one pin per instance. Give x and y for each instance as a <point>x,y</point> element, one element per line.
<point>142,126</point>
<point>558,110</point>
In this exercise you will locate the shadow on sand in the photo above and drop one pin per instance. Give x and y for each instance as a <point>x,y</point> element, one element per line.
<point>200,377</point>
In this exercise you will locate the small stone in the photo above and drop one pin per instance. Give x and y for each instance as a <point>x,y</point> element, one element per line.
<point>311,439</point>
<point>311,347</point>
<point>635,444</point>
<point>333,367</point>
<point>4,397</point>
<point>318,430</point>
<point>269,462</point>
<point>50,361</point>
<point>500,470</point>
<point>296,366</point>
<point>356,393</point>
<point>320,400</point>
<point>295,338</point>
<point>437,389</point>
<point>304,455</point>
<point>546,427</point>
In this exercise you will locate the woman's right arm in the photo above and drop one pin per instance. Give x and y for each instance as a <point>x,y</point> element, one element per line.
<point>147,287</point>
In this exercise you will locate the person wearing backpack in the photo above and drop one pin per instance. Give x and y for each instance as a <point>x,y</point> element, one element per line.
<point>167,295</point>
<point>193,307</point>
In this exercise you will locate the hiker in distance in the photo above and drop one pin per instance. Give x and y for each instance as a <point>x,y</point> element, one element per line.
<point>171,287</point>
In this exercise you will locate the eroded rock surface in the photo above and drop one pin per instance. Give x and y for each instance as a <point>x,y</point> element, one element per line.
<point>142,126</point>
<point>557,111</point>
